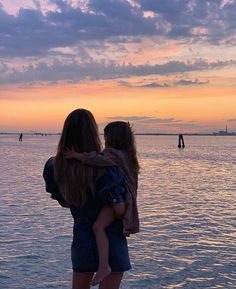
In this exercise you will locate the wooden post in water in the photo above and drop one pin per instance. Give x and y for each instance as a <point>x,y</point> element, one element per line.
<point>21,137</point>
<point>181,141</point>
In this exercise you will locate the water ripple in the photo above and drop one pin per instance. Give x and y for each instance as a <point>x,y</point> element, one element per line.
<point>187,212</point>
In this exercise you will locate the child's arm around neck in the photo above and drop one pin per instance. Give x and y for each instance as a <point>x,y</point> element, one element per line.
<point>93,159</point>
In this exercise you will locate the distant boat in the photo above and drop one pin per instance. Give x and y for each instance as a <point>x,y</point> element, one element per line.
<point>224,132</point>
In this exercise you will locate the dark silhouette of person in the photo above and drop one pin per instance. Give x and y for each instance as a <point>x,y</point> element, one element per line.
<point>21,137</point>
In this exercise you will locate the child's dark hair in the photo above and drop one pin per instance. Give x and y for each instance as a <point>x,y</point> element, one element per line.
<point>119,135</point>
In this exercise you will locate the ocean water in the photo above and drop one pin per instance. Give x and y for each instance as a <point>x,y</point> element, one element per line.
<point>187,204</point>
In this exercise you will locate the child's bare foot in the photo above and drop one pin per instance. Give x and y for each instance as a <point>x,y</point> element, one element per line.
<point>100,275</point>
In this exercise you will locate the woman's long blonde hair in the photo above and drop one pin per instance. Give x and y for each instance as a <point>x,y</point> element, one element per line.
<point>75,180</point>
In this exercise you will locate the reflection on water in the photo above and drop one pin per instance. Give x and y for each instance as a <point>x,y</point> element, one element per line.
<point>187,209</point>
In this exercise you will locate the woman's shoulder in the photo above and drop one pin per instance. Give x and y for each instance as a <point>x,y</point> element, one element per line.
<point>49,163</point>
<point>51,185</point>
<point>48,171</point>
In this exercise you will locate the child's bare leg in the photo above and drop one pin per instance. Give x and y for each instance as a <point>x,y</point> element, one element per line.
<point>119,210</point>
<point>104,219</point>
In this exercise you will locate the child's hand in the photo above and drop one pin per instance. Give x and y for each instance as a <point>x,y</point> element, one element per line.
<point>70,153</point>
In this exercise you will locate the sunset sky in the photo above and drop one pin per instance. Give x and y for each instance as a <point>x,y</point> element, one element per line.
<point>163,65</point>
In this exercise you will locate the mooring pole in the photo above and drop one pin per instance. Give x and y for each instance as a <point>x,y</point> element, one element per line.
<point>179,144</point>
<point>181,141</point>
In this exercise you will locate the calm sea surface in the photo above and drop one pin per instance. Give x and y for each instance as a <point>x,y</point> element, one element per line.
<point>187,208</point>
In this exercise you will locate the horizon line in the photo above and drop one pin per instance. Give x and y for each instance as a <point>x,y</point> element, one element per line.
<point>139,133</point>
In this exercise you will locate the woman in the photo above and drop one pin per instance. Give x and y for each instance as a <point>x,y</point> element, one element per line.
<point>85,190</point>
<point>120,150</point>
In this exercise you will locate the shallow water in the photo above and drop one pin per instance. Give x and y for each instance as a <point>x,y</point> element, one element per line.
<point>187,210</point>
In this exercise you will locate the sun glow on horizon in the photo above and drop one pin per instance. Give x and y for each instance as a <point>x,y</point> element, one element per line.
<point>26,108</point>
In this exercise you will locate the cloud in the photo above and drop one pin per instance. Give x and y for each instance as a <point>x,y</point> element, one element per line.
<point>156,125</point>
<point>181,82</point>
<point>162,120</point>
<point>186,82</point>
<point>130,118</point>
<point>232,120</point>
<point>32,32</point>
<point>154,85</point>
<point>145,119</point>
<point>147,85</point>
<point>183,17</point>
<point>73,71</point>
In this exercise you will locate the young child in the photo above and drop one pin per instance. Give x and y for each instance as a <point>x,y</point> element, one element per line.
<point>120,150</point>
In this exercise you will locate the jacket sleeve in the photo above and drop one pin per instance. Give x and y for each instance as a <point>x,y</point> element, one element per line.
<point>51,185</point>
<point>95,159</point>
<point>111,188</point>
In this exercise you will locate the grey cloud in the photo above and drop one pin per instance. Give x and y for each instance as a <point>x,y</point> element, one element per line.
<point>232,120</point>
<point>181,82</point>
<point>182,16</point>
<point>162,120</point>
<point>75,72</point>
<point>146,119</point>
<point>154,85</point>
<point>177,11</point>
<point>33,33</point>
<point>125,83</point>
<point>147,123</point>
<point>182,125</point>
<point>147,85</point>
<point>186,82</point>
<point>130,118</point>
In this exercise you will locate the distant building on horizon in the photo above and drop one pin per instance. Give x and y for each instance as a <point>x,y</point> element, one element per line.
<point>224,132</point>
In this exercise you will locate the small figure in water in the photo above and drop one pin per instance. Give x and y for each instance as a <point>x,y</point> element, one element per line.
<point>21,137</point>
<point>181,141</point>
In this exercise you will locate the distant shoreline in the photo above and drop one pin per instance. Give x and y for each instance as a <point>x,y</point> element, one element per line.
<point>143,134</point>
